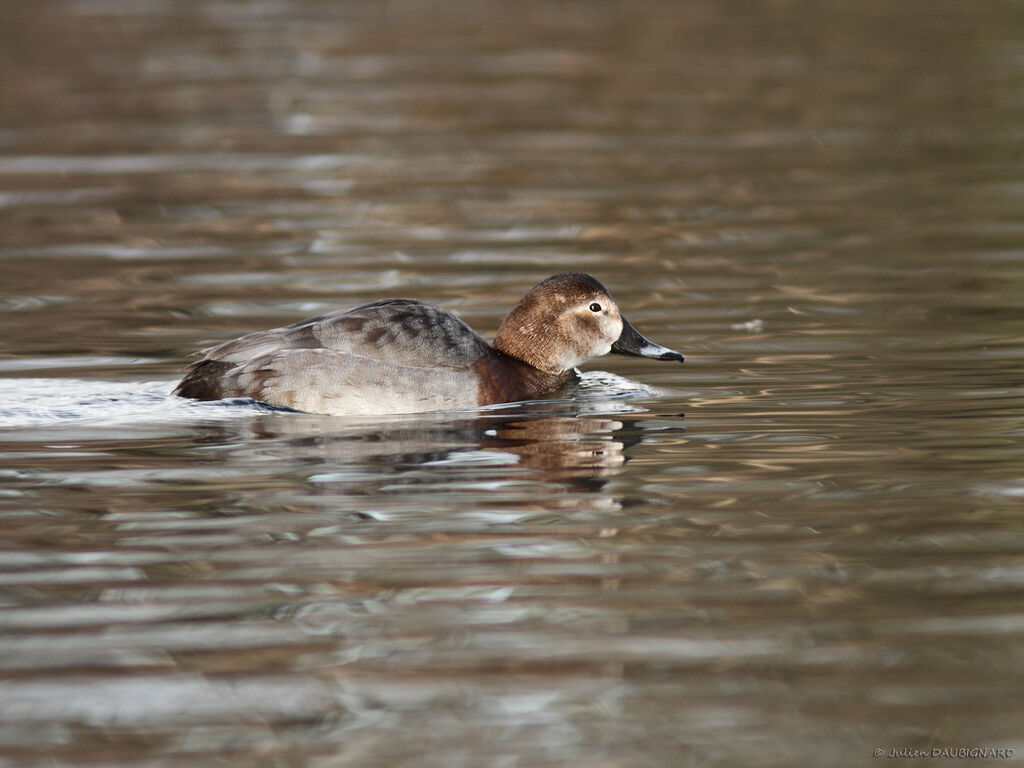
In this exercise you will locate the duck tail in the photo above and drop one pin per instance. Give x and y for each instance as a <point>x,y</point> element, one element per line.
<point>205,380</point>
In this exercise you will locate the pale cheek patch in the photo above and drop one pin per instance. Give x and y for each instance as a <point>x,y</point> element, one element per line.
<point>616,329</point>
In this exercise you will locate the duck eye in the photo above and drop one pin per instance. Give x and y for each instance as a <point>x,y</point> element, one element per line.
<point>595,307</point>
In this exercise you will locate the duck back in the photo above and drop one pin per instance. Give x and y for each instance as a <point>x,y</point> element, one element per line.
<point>388,356</point>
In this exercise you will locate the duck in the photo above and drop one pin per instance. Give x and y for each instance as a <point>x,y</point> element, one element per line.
<point>401,356</point>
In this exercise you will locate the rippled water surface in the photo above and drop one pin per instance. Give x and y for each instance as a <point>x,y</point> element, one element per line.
<point>800,547</point>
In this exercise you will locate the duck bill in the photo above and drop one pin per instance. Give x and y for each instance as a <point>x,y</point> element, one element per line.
<point>632,342</point>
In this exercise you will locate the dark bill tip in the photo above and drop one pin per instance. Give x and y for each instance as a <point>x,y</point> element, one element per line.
<point>632,342</point>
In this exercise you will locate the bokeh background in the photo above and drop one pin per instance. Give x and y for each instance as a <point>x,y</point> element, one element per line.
<point>800,547</point>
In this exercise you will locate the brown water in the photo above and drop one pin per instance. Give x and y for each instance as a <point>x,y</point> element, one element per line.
<point>803,545</point>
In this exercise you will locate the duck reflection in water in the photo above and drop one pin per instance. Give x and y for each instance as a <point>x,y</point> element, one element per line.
<point>561,454</point>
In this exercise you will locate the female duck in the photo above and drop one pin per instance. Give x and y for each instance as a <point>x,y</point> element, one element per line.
<point>406,356</point>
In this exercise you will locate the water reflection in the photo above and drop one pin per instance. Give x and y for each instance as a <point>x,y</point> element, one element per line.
<point>820,201</point>
<point>559,446</point>
<point>541,457</point>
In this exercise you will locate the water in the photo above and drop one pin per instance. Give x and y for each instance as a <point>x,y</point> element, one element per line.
<point>802,546</point>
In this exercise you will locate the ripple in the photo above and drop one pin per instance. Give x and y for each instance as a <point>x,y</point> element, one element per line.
<point>71,361</point>
<point>102,404</point>
<point>158,699</point>
<point>179,163</point>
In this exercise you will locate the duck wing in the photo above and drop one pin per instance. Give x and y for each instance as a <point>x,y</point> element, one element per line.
<point>403,332</point>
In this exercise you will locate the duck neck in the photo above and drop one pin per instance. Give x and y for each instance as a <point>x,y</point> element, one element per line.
<point>507,379</point>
